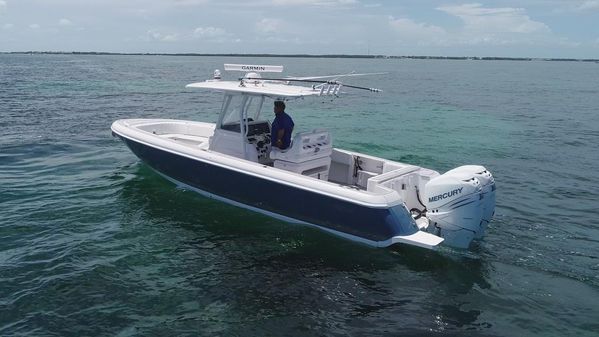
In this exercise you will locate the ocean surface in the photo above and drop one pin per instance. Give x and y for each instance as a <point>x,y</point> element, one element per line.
<point>94,243</point>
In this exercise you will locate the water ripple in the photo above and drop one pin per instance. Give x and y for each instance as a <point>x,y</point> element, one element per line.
<point>92,242</point>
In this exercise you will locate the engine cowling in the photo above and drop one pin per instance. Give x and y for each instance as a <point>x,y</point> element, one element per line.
<point>488,192</point>
<point>454,208</point>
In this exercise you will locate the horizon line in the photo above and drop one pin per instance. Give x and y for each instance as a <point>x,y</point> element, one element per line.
<point>372,56</point>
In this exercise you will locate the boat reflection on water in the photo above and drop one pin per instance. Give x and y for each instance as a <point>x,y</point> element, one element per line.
<point>309,279</point>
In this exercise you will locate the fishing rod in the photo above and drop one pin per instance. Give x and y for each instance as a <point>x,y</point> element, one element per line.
<point>334,77</point>
<point>334,82</point>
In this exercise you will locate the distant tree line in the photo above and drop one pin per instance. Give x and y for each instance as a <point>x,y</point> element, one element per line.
<point>417,57</point>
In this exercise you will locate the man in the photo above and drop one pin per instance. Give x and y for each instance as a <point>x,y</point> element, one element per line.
<point>282,127</point>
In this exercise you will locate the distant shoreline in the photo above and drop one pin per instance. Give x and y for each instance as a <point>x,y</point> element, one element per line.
<point>416,57</point>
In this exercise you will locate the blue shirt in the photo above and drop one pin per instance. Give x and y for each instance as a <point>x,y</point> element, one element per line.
<point>282,121</point>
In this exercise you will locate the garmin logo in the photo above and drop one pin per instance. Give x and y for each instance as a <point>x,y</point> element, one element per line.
<point>254,68</point>
<point>446,195</point>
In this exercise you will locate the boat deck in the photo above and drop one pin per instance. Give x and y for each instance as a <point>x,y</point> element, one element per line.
<point>189,140</point>
<point>351,170</point>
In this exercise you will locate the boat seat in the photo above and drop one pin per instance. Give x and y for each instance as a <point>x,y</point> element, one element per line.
<point>305,146</point>
<point>388,178</point>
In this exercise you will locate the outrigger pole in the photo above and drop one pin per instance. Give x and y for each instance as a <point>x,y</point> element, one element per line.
<point>310,81</point>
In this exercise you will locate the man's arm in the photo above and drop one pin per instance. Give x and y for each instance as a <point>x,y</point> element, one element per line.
<point>279,140</point>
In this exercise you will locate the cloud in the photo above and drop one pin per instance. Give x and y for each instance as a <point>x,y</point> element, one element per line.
<point>410,30</point>
<point>313,2</point>
<point>320,26</point>
<point>65,22</point>
<point>477,18</point>
<point>158,36</point>
<point>267,26</point>
<point>209,32</point>
<point>191,2</point>
<point>213,35</point>
<point>482,26</point>
<point>589,5</point>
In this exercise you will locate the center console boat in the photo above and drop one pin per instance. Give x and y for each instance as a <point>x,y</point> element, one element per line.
<point>357,196</point>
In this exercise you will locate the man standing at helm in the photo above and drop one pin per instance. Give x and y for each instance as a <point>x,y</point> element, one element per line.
<point>282,127</point>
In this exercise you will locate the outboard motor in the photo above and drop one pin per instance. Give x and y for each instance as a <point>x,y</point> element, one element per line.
<point>488,189</point>
<point>453,202</point>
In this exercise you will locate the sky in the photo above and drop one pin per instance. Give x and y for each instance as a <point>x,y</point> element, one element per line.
<point>524,28</point>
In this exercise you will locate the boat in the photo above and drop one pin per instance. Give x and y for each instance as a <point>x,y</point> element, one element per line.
<point>357,196</point>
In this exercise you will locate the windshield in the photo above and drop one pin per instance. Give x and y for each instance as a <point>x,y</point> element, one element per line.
<point>235,104</point>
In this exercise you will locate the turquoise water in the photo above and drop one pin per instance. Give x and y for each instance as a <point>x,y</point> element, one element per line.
<point>92,242</point>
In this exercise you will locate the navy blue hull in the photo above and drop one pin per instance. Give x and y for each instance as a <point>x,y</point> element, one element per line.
<point>374,224</point>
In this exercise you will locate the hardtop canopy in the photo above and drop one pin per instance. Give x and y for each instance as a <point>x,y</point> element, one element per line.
<point>252,83</point>
<point>274,90</point>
